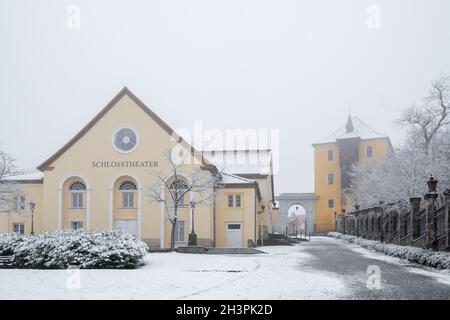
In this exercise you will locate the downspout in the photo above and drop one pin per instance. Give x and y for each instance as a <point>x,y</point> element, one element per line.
<point>214,218</point>
<point>256,213</point>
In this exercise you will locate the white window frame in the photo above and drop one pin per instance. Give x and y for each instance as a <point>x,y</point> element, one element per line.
<point>237,204</point>
<point>72,223</point>
<point>178,232</point>
<point>230,197</point>
<point>128,200</point>
<point>77,200</point>
<point>21,228</point>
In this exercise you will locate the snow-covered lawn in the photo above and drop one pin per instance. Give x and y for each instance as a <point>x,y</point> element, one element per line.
<point>279,274</point>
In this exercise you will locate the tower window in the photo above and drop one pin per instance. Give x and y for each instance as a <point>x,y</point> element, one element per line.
<point>330,155</point>
<point>330,203</point>
<point>330,178</point>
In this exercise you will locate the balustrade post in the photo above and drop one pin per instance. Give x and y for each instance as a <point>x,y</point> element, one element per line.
<point>415,209</point>
<point>429,219</point>
<point>447,219</point>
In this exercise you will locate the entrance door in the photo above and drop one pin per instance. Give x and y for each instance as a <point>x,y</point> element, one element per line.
<point>234,235</point>
<point>128,226</point>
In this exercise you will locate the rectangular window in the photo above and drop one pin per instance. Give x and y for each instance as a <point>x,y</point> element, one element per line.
<point>238,201</point>
<point>234,226</point>
<point>330,203</point>
<point>230,201</point>
<point>369,151</point>
<point>20,202</point>
<point>330,155</point>
<point>18,228</point>
<point>179,231</point>
<point>128,200</point>
<point>77,200</point>
<point>330,178</point>
<point>75,225</point>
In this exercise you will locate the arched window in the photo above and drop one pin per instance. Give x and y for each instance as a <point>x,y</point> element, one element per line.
<point>77,189</point>
<point>127,188</point>
<point>179,187</point>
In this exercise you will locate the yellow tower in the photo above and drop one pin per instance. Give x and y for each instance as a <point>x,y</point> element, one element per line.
<point>333,159</point>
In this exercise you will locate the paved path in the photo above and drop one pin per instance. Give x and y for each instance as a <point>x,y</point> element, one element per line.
<point>399,279</point>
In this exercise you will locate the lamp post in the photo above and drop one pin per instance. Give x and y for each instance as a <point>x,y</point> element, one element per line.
<point>32,205</point>
<point>192,241</point>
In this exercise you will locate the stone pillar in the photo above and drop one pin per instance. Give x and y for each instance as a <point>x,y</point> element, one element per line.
<point>447,219</point>
<point>429,218</point>
<point>357,224</point>
<point>415,209</point>
<point>401,227</point>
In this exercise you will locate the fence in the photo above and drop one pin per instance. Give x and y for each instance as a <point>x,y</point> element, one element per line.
<point>425,223</point>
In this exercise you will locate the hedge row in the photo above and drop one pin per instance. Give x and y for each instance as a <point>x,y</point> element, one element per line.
<point>427,257</point>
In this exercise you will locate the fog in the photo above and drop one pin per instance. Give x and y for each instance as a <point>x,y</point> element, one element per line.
<point>296,66</point>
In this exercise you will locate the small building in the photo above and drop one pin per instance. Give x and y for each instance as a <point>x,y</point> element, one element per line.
<point>98,179</point>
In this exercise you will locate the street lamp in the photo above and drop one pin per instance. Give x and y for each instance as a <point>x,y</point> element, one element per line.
<point>192,241</point>
<point>32,205</point>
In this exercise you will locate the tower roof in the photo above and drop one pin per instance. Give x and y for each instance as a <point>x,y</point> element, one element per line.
<point>354,128</point>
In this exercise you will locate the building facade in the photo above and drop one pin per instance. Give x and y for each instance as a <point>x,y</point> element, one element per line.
<point>333,160</point>
<point>98,181</point>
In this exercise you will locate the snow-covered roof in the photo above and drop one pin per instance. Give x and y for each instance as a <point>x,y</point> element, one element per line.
<point>233,179</point>
<point>355,129</point>
<point>239,162</point>
<point>26,175</point>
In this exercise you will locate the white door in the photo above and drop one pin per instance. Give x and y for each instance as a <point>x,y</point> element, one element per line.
<point>234,235</point>
<point>128,226</point>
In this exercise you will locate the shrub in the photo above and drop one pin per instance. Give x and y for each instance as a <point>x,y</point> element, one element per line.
<point>427,257</point>
<point>86,250</point>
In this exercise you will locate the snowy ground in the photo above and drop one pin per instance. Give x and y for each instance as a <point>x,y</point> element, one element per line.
<point>313,270</point>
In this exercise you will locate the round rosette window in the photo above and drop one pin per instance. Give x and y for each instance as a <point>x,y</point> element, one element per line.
<point>125,140</point>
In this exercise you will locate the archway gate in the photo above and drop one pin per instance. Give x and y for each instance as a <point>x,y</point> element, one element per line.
<point>287,200</point>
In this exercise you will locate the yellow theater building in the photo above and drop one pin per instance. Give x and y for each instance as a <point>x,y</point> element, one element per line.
<point>333,159</point>
<point>98,179</point>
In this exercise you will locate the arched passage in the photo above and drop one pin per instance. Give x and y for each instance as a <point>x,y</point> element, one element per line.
<point>297,219</point>
<point>287,201</point>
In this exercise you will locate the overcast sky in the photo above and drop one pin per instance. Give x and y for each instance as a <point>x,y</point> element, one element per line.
<point>293,65</point>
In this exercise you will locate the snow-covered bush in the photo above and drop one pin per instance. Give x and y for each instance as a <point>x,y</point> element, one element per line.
<point>427,257</point>
<point>86,250</point>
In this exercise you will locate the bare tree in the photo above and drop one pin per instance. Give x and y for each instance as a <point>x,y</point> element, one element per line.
<point>11,193</point>
<point>170,189</point>
<point>424,152</point>
<point>428,119</point>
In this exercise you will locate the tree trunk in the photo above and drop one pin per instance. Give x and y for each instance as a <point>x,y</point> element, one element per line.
<point>172,235</point>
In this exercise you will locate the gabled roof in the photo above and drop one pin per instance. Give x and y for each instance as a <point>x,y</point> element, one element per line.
<point>233,181</point>
<point>125,91</point>
<point>354,128</point>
